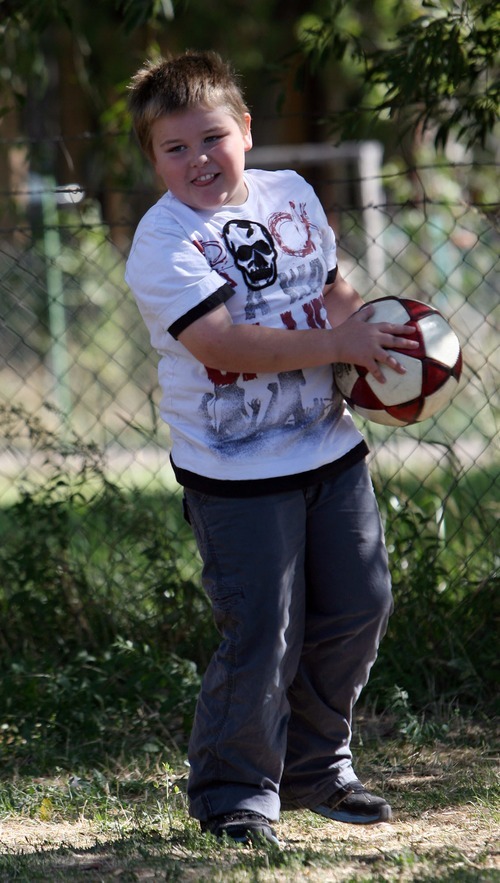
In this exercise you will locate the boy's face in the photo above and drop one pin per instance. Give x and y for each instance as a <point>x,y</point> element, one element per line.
<point>200,156</point>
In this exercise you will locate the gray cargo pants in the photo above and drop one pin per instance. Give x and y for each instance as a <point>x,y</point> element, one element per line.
<point>300,590</point>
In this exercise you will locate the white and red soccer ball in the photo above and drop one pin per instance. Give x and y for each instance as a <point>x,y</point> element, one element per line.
<point>432,371</point>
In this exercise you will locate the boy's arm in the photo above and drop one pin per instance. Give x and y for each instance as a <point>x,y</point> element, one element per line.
<point>215,341</point>
<point>341,300</point>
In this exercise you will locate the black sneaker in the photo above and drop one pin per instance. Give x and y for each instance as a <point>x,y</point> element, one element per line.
<point>354,804</point>
<point>243,826</point>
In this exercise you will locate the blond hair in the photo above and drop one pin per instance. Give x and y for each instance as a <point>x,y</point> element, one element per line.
<point>194,79</point>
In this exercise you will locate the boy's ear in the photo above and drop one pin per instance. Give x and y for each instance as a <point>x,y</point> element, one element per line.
<point>247,133</point>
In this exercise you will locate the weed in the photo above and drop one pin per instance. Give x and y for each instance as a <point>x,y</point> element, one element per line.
<point>439,645</point>
<point>122,628</point>
<point>139,829</point>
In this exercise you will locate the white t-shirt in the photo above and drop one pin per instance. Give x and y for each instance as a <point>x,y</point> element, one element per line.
<point>268,261</point>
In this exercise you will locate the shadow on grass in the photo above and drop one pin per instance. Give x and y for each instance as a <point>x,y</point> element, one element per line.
<point>155,840</point>
<point>182,857</point>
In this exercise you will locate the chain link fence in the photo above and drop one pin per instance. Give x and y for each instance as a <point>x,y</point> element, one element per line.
<point>76,360</point>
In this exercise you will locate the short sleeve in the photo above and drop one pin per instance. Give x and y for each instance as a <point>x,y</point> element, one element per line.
<point>170,278</point>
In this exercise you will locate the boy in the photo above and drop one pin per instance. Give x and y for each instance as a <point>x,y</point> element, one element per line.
<point>235,274</point>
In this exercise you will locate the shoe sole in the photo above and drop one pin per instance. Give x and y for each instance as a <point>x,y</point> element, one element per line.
<point>252,837</point>
<point>384,814</point>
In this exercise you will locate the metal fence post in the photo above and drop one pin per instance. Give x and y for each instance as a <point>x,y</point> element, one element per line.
<point>60,361</point>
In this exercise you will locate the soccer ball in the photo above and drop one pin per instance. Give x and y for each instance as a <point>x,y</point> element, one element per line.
<point>432,371</point>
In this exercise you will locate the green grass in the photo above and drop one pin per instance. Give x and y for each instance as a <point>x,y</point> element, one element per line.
<point>130,821</point>
<point>104,632</point>
<point>104,628</point>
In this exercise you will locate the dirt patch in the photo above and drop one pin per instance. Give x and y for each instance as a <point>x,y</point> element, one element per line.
<point>402,847</point>
<point>312,850</point>
<point>446,828</point>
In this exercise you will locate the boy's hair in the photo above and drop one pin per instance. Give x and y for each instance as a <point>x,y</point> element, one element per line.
<point>195,79</point>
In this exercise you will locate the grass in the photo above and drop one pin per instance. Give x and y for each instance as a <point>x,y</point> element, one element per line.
<point>104,631</point>
<point>129,822</point>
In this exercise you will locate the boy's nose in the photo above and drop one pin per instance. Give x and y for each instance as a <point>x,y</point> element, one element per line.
<point>200,160</point>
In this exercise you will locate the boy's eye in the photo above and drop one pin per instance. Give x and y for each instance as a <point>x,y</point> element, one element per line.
<point>211,138</point>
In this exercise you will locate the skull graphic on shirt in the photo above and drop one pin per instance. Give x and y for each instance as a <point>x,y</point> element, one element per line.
<point>254,252</point>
